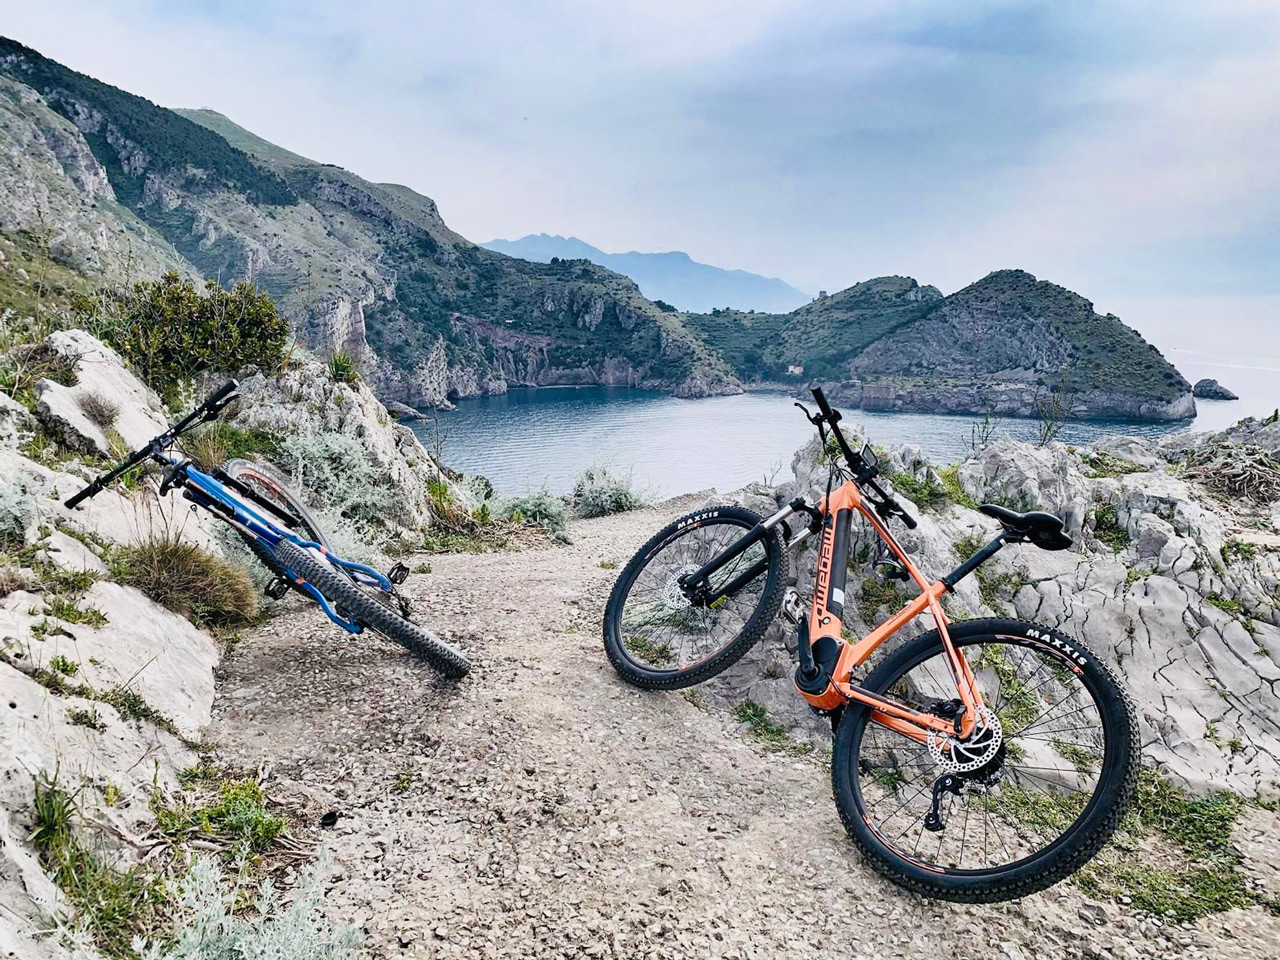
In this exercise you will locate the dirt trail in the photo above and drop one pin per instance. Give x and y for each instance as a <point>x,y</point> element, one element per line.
<point>543,808</point>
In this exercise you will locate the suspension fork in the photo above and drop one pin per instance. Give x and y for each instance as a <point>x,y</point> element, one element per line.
<point>694,584</point>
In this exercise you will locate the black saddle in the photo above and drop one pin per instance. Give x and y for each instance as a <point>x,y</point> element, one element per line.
<point>1042,529</point>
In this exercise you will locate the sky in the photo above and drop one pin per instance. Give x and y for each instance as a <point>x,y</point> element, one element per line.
<point>1127,150</point>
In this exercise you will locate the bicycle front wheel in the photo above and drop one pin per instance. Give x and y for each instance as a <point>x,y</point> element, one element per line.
<point>1032,795</point>
<point>369,612</point>
<point>656,637</point>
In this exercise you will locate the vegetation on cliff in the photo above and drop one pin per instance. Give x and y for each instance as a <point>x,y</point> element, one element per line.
<point>372,272</point>
<point>116,124</point>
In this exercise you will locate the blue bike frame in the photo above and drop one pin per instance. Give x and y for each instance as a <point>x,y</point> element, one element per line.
<point>208,492</point>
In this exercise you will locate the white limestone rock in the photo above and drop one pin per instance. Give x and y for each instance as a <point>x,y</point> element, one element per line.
<point>101,378</point>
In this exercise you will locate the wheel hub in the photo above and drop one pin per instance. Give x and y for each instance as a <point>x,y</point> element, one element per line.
<point>673,593</point>
<point>976,753</point>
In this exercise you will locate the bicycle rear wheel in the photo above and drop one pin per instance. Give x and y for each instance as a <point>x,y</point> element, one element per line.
<point>656,637</point>
<point>1033,794</point>
<point>272,486</point>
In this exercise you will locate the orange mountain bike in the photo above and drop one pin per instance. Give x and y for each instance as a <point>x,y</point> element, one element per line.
<point>980,761</point>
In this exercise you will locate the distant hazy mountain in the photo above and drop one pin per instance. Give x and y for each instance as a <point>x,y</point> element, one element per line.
<point>672,277</point>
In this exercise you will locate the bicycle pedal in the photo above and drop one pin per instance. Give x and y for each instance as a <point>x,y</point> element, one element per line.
<point>398,574</point>
<point>277,588</point>
<point>792,605</point>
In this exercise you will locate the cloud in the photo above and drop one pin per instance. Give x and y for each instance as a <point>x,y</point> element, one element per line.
<point>1114,147</point>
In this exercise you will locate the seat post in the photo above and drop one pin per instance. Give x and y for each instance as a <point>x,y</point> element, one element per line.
<point>975,561</point>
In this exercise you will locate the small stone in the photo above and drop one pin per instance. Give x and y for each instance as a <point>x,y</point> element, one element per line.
<point>1093,913</point>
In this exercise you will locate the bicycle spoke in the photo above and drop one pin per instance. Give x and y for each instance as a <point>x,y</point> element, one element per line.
<point>1047,768</point>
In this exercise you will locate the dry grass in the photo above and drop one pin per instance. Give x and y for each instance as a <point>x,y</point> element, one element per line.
<point>101,412</point>
<point>13,579</point>
<point>189,580</point>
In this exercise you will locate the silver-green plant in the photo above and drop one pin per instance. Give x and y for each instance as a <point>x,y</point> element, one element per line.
<point>17,512</point>
<point>600,491</point>
<point>208,928</point>
<point>336,471</point>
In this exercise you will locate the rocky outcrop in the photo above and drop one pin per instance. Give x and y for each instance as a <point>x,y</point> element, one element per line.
<point>305,401</point>
<point>1005,400</point>
<point>1179,590</point>
<point>107,402</point>
<point>1210,389</point>
<point>107,691</point>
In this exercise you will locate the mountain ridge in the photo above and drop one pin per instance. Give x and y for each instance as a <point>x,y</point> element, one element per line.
<point>671,276</point>
<point>373,270</point>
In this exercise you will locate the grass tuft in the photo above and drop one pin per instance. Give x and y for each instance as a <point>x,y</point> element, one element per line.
<point>237,816</point>
<point>766,731</point>
<point>115,906</point>
<point>342,368</point>
<point>189,580</point>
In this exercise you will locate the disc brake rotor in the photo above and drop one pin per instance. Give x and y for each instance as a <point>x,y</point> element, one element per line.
<point>672,593</point>
<point>965,756</point>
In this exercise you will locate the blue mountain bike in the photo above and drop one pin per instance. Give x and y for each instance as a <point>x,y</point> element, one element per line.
<point>276,526</point>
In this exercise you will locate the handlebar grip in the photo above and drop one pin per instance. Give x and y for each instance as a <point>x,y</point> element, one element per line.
<point>907,518</point>
<point>821,399</point>
<point>221,394</point>
<point>76,499</point>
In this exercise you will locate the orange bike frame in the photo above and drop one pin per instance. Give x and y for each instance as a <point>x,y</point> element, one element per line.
<point>826,620</point>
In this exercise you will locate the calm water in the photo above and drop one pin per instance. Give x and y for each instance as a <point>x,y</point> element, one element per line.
<point>530,438</point>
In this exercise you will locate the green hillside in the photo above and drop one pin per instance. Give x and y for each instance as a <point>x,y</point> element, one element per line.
<point>173,145</point>
<point>373,271</point>
<point>1010,326</point>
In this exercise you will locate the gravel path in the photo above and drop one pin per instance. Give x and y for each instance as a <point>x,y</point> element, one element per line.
<point>542,808</point>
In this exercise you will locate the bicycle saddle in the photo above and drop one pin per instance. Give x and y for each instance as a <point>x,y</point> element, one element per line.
<point>1042,529</point>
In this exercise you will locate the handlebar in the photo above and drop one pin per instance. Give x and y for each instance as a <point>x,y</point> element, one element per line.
<point>864,473</point>
<point>209,409</point>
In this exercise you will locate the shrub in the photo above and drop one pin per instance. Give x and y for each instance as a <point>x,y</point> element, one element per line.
<point>599,492</point>
<point>213,926</point>
<point>539,508</point>
<point>170,331</point>
<point>336,471</point>
<point>214,444</point>
<point>101,412</point>
<point>188,580</point>
<point>342,368</point>
<point>17,513</point>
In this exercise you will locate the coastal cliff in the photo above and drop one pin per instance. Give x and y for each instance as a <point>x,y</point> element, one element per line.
<point>115,188</point>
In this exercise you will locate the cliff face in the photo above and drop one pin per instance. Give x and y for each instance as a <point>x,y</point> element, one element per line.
<point>368,269</point>
<point>54,188</point>
<point>122,189</point>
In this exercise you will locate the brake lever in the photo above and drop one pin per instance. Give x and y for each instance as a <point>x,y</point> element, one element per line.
<point>815,419</point>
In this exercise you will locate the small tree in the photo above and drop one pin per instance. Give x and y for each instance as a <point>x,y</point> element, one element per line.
<point>1053,411</point>
<point>170,330</point>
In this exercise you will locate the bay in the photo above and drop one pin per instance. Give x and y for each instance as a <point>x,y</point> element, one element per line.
<point>532,438</point>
